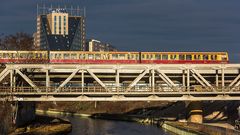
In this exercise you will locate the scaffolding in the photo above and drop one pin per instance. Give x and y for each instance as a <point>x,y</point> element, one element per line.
<point>72,11</point>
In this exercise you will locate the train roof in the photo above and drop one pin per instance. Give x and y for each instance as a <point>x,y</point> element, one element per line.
<point>115,52</point>
<point>188,52</point>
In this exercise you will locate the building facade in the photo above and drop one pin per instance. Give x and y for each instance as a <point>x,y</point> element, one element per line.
<point>93,45</point>
<point>60,29</point>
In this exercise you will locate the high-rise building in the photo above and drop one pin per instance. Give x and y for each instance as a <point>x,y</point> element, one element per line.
<point>60,29</point>
<point>96,45</point>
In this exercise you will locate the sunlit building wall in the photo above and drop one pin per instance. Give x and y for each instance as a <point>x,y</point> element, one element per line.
<point>60,29</point>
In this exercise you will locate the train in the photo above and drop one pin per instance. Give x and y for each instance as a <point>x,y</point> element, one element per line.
<point>84,57</point>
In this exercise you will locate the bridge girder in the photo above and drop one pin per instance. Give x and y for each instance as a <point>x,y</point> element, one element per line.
<point>170,78</point>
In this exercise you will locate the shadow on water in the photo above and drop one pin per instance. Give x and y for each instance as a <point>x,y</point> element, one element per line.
<point>88,126</point>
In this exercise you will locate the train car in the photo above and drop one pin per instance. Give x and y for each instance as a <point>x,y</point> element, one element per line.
<point>113,57</point>
<point>23,57</point>
<point>184,57</point>
<point>94,57</point>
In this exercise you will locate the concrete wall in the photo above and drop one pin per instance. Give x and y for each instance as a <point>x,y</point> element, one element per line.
<point>195,112</point>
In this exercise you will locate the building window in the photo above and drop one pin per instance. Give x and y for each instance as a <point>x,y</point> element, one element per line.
<point>60,20</point>
<point>64,30</point>
<point>55,24</point>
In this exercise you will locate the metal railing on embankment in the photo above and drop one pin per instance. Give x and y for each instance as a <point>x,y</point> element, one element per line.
<point>196,129</point>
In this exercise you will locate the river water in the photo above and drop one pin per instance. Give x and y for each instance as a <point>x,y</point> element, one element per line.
<point>87,126</point>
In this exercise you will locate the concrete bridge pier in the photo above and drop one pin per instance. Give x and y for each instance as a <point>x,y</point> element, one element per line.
<point>24,112</point>
<point>195,112</point>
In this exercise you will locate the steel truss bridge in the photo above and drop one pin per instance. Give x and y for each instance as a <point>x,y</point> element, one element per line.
<point>120,82</point>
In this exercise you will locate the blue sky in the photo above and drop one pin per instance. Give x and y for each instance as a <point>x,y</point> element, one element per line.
<point>144,25</point>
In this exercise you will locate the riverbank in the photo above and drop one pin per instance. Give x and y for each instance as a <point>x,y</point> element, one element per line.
<point>171,125</point>
<point>45,125</point>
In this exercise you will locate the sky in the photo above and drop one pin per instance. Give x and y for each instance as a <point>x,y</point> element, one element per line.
<point>144,25</point>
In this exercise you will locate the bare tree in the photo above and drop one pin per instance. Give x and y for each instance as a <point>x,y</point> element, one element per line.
<point>2,46</point>
<point>18,41</point>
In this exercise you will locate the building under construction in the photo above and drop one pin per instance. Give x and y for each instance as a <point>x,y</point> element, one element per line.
<point>60,28</point>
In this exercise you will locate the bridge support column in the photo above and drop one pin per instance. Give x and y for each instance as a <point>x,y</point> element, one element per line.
<point>24,113</point>
<point>195,112</point>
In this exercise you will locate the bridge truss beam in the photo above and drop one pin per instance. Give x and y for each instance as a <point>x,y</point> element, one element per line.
<point>122,82</point>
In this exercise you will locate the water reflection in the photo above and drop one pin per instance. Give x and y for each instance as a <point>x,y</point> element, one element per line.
<point>86,126</point>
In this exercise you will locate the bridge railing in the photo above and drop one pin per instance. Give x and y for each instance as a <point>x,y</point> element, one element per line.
<point>136,89</point>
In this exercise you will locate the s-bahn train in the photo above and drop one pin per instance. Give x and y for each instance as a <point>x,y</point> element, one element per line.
<point>83,57</point>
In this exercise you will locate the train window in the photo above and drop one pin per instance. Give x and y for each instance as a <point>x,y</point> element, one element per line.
<point>90,56</point>
<point>34,55</point>
<point>59,56</point>
<point>40,55</point>
<point>55,56</point>
<point>128,56</point>
<point>122,56</point>
<point>80,56</point>
<point>149,56</point>
<point>224,58</point>
<point>173,57</point>
<point>31,55</point>
<point>44,56</point>
<point>213,57</point>
<point>137,57</point>
<point>157,56</point>
<point>52,56</point>
<point>84,56</point>
<point>97,56</point>
<point>197,57</point>
<point>105,56</point>
<point>10,55</point>
<point>0,55</point>
<point>66,56</point>
<point>143,56</point>
<point>20,55</point>
<point>114,56</point>
<point>25,55</point>
<point>205,57</point>
<point>5,55</point>
<point>73,56</point>
<point>188,57</point>
<point>164,57</point>
<point>181,57</point>
<point>14,55</point>
<point>132,56</point>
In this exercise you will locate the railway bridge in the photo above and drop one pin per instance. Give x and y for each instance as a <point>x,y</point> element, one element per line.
<point>121,82</point>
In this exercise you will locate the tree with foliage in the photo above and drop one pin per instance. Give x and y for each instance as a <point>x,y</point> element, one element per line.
<point>18,41</point>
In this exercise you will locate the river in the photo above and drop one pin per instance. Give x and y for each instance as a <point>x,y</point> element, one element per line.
<point>87,126</point>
